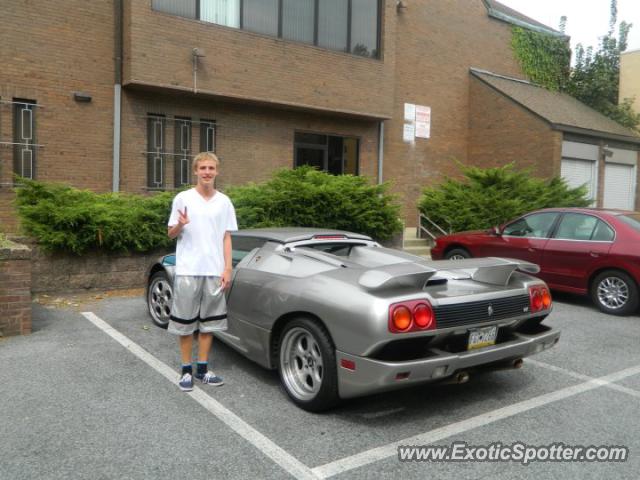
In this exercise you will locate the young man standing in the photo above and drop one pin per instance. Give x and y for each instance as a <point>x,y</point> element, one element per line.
<point>201,219</point>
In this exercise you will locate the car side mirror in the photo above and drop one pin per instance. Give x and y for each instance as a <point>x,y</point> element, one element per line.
<point>496,231</point>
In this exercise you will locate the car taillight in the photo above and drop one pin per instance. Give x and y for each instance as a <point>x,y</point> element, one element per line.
<point>411,316</point>
<point>539,298</point>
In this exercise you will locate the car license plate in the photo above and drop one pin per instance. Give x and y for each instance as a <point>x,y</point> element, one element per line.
<point>482,337</point>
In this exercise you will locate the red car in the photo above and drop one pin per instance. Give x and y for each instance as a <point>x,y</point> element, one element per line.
<point>587,251</point>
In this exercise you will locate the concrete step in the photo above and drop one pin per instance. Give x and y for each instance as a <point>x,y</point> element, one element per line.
<point>423,251</point>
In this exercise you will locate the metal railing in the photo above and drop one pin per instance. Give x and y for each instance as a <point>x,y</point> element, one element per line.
<point>430,227</point>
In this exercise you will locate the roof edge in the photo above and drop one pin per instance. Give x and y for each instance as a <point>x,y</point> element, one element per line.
<point>520,23</point>
<point>596,133</point>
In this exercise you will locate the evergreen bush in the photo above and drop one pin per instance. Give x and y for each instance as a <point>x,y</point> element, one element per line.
<point>492,196</point>
<point>306,197</point>
<point>63,218</point>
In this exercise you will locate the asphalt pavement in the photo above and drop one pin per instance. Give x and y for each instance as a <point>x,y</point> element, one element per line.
<point>91,394</point>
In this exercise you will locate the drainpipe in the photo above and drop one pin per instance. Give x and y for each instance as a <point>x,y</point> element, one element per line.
<point>117,94</point>
<point>380,150</point>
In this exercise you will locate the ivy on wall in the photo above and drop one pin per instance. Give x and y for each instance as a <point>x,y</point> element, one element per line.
<point>545,59</point>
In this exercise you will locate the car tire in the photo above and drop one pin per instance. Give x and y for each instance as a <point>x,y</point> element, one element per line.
<point>615,292</point>
<point>457,254</point>
<point>159,298</point>
<point>307,365</point>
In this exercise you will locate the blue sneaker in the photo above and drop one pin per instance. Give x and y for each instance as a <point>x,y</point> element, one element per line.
<point>186,382</point>
<point>210,378</point>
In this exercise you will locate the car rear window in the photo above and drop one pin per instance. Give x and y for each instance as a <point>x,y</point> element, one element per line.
<point>632,219</point>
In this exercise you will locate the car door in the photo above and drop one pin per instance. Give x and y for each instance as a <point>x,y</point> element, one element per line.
<point>579,244</point>
<point>523,238</point>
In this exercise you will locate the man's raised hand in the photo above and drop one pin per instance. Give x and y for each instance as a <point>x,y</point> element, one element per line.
<point>183,218</point>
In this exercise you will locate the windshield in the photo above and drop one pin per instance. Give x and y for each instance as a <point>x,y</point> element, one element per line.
<point>632,219</point>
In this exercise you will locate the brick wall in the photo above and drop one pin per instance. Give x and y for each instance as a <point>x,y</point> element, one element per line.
<point>501,131</point>
<point>243,65</point>
<point>15,294</point>
<point>436,44</point>
<point>51,49</point>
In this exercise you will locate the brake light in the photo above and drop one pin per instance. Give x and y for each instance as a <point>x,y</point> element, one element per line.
<point>401,318</point>
<point>539,298</point>
<point>411,316</point>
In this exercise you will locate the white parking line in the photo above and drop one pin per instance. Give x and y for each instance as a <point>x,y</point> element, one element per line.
<point>246,431</point>
<point>390,450</point>
<point>571,373</point>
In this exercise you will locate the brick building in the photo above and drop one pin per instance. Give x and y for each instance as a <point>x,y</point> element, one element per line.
<point>120,94</point>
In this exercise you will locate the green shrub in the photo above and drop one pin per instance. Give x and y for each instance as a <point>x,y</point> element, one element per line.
<point>64,218</point>
<point>306,197</point>
<point>488,197</point>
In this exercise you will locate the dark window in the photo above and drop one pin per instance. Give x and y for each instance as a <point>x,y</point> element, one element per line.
<point>298,20</point>
<point>182,157</point>
<point>603,233</point>
<point>207,136</point>
<point>260,16</point>
<point>241,246</point>
<point>174,7</point>
<point>364,28</point>
<point>343,25</point>
<point>24,138</point>
<point>155,151</point>
<point>536,225</point>
<point>330,153</point>
<point>577,226</point>
<point>333,24</point>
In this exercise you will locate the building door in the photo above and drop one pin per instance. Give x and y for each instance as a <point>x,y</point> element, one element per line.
<point>330,153</point>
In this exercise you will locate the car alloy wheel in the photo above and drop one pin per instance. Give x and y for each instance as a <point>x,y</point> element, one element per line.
<point>159,298</point>
<point>457,254</point>
<point>307,365</point>
<point>615,292</point>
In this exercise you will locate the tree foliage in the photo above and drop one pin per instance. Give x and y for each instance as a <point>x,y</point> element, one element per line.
<point>596,75</point>
<point>594,78</point>
<point>489,197</point>
<point>543,58</point>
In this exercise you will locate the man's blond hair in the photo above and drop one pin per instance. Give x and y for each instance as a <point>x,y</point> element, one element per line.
<point>204,156</point>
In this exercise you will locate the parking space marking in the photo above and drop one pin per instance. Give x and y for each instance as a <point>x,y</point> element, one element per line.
<point>571,373</point>
<point>390,450</point>
<point>246,431</point>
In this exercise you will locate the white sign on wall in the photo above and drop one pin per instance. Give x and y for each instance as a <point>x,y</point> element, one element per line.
<point>417,122</point>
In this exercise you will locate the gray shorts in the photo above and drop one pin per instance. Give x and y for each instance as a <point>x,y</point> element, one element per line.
<point>198,304</point>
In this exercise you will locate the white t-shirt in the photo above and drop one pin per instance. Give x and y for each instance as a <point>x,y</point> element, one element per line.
<point>200,249</point>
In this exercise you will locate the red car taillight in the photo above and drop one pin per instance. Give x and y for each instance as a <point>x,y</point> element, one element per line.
<point>539,298</point>
<point>411,316</point>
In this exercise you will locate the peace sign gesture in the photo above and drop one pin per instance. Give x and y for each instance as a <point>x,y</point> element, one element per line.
<point>183,218</point>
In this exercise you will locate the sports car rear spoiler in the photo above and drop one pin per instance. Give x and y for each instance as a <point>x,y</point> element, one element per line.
<point>491,270</point>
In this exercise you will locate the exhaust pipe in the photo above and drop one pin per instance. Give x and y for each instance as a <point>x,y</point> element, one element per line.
<point>517,363</point>
<point>458,378</point>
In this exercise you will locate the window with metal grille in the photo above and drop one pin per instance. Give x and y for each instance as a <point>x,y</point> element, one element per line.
<point>24,138</point>
<point>207,136</point>
<point>182,152</point>
<point>155,151</point>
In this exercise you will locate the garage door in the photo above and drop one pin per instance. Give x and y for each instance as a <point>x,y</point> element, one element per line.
<point>580,172</point>
<point>620,178</point>
<point>580,166</point>
<point>619,186</point>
